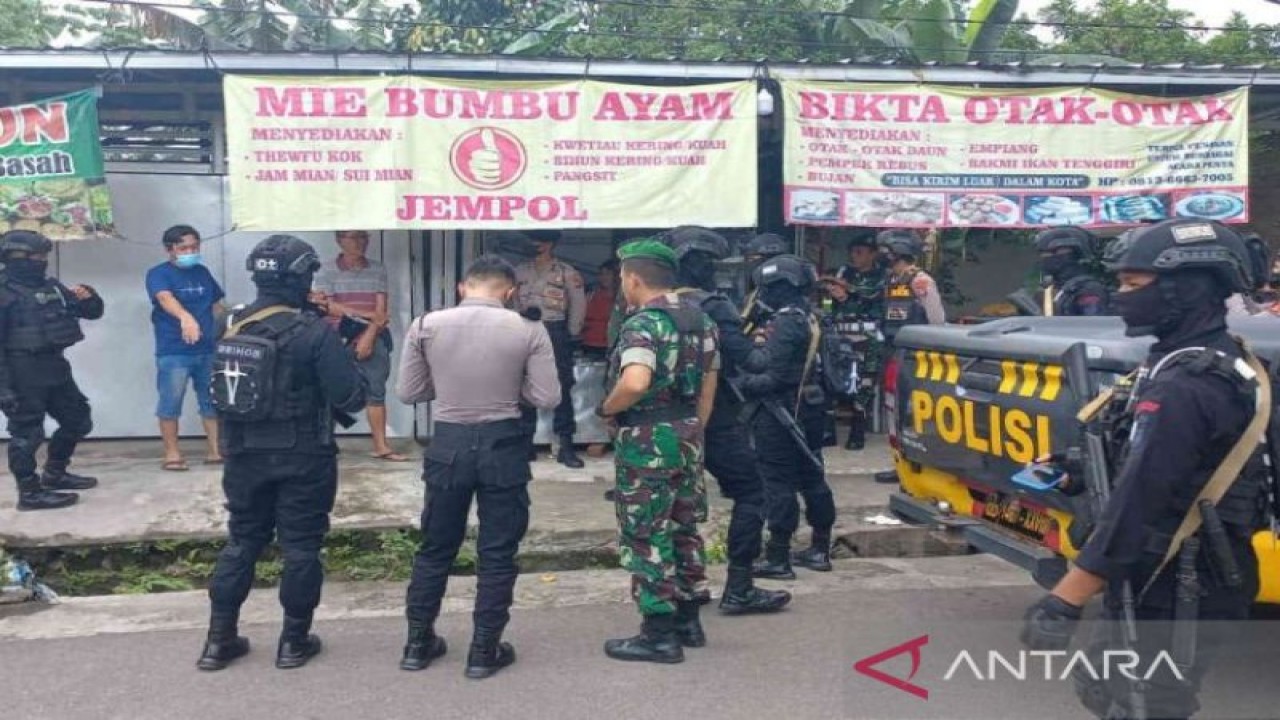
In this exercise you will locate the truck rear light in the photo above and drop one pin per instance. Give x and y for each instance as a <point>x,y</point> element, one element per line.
<point>890,393</point>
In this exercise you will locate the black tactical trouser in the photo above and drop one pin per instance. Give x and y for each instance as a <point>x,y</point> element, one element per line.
<point>488,461</point>
<point>61,401</point>
<point>1165,695</point>
<point>787,472</point>
<point>564,422</point>
<point>730,459</point>
<point>287,495</point>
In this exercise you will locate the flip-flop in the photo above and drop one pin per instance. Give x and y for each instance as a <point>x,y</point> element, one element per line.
<point>175,466</point>
<point>213,461</point>
<point>392,456</point>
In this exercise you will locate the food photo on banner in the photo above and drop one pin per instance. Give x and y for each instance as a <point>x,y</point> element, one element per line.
<point>941,156</point>
<point>51,169</point>
<point>314,153</point>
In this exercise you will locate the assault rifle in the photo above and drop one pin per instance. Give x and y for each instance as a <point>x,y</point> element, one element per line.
<point>1023,302</point>
<point>1092,464</point>
<point>783,418</point>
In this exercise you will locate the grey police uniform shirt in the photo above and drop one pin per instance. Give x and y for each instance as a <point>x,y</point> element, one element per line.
<point>475,362</point>
<point>556,289</point>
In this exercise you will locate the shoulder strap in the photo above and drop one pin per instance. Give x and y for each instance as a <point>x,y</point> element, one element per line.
<point>259,316</point>
<point>815,337</point>
<point>1229,470</point>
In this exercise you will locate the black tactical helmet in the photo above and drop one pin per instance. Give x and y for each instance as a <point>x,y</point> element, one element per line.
<point>767,245</point>
<point>785,268</point>
<point>863,239</point>
<point>1184,244</point>
<point>1065,238</point>
<point>1259,259</point>
<point>551,236</point>
<point>688,238</point>
<point>25,241</point>
<point>901,243</point>
<point>279,257</point>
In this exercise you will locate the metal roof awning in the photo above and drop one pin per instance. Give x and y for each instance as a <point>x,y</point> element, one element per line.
<point>1016,73</point>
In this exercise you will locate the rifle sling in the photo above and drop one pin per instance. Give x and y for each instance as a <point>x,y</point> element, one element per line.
<point>259,316</point>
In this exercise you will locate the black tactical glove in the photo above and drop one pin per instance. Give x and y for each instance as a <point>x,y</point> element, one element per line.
<point>1050,623</point>
<point>532,313</point>
<point>8,401</point>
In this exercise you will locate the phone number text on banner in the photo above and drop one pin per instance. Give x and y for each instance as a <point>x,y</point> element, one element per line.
<point>933,156</point>
<point>419,153</point>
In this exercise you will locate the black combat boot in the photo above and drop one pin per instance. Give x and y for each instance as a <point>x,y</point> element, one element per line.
<point>488,654</point>
<point>776,565</point>
<point>423,647</point>
<point>817,556</point>
<point>888,477</point>
<point>297,644</point>
<point>857,433</point>
<point>829,429</point>
<point>32,495</point>
<point>567,455</point>
<point>56,477</point>
<point>702,597</point>
<point>741,597</point>
<point>223,644</point>
<point>688,627</point>
<point>656,643</point>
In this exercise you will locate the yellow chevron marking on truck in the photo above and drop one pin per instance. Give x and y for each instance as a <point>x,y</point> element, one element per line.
<point>935,366</point>
<point>922,364</point>
<point>1052,383</point>
<point>1008,376</point>
<point>953,368</point>
<point>1030,379</point>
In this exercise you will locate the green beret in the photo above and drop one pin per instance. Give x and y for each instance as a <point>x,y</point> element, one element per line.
<point>648,249</point>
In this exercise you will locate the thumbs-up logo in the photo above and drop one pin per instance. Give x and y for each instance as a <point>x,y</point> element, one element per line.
<point>488,158</point>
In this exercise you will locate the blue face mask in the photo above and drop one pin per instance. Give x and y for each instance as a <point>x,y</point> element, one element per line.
<point>187,261</point>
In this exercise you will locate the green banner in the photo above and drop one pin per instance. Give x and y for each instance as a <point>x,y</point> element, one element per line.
<point>51,169</point>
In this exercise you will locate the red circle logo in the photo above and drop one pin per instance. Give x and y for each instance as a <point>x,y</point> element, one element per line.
<point>488,158</point>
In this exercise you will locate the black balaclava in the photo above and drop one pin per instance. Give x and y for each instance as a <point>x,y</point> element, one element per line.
<point>1177,308</point>
<point>1061,267</point>
<point>779,295</point>
<point>290,290</point>
<point>697,270</point>
<point>26,271</point>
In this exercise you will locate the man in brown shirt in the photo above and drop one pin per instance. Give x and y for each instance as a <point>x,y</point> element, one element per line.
<point>475,362</point>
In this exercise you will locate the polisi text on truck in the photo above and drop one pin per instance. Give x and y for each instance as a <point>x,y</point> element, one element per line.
<point>1007,433</point>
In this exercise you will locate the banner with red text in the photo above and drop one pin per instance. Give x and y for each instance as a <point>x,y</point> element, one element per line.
<point>322,153</point>
<point>932,156</point>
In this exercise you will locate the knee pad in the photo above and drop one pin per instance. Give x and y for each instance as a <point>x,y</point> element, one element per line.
<point>27,440</point>
<point>81,427</point>
<point>300,555</point>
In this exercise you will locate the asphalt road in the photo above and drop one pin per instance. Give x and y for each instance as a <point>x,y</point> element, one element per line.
<point>792,666</point>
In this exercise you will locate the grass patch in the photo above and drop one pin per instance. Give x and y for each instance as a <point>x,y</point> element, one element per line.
<point>348,555</point>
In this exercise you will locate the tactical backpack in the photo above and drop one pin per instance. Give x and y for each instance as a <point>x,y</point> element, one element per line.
<point>835,358</point>
<point>247,373</point>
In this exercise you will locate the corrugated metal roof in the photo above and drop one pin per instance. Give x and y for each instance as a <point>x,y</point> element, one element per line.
<point>1013,73</point>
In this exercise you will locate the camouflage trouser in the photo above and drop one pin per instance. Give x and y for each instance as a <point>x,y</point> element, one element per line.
<point>870,364</point>
<point>658,537</point>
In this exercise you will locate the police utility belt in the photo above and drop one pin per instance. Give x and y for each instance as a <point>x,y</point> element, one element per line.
<point>676,413</point>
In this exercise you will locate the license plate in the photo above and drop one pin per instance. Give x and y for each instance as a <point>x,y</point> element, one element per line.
<point>1008,511</point>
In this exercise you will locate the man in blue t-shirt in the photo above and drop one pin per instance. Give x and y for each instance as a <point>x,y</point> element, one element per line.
<point>184,298</point>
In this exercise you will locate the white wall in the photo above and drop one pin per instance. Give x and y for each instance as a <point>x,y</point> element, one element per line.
<point>115,365</point>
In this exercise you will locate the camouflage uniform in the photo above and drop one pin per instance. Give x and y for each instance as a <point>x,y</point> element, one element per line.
<point>853,317</point>
<point>658,462</point>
